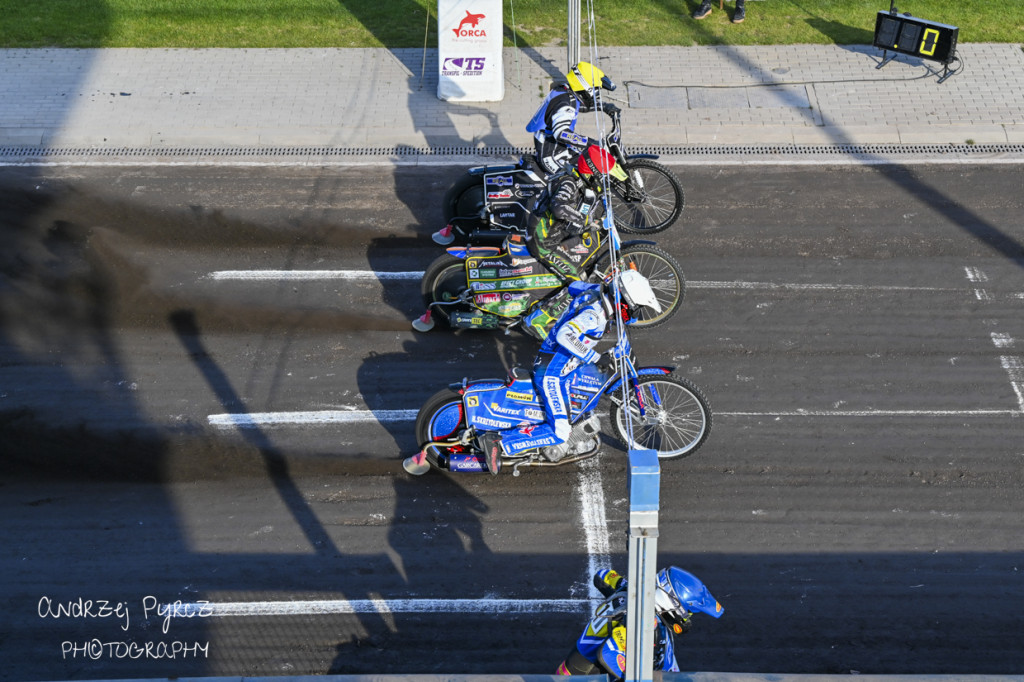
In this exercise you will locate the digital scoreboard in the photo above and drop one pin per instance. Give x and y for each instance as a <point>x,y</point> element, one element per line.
<point>917,37</point>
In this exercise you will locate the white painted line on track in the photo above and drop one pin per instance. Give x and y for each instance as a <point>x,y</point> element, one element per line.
<point>590,493</point>
<point>875,413</point>
<point>314,275</point>
<point>377,606</point>
<point>308,275</point>
<point>1002,340</point>
<point>796,286</point>
<point>325,417</point>
<point>1014,367</point>
<point>256,419</point>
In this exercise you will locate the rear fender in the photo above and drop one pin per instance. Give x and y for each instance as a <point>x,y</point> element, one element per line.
<point>642,156</point>
<point>461,386</point>
<point>480,170</point>
<point>631,242</point>
<point>457,251</point>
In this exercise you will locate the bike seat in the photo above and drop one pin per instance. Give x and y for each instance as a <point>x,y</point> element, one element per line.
<point>479,251</point>
<point>519,374</point>
<point>516,245</point>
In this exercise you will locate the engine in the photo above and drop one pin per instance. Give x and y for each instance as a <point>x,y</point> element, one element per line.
<point>585,437</point>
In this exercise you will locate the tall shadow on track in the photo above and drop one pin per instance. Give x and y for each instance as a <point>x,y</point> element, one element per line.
<point>183,322</point>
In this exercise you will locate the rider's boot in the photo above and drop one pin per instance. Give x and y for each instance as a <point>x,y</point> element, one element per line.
<point>444,236</point>
<point>490,442</point>
<point>425,322</point>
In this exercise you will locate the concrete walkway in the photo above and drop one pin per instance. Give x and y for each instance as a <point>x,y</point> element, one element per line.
<point>382,100</point>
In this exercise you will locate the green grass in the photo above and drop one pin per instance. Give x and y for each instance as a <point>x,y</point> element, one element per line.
<point>401,23</point>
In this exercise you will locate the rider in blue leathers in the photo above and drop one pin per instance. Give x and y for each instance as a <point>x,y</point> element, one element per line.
<point>602,646</point>
<point>569,343</point>
<point>554,124</point>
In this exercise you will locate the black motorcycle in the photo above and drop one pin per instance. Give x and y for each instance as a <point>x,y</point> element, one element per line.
<point>490,202</point>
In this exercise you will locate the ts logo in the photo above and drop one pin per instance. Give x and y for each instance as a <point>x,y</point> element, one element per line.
<point>464,64</point>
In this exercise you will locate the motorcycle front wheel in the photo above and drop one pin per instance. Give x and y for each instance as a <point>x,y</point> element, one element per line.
<point>650,201</point>
<point>664,274</point>
<point>676,417</point>
<point>444,280</point>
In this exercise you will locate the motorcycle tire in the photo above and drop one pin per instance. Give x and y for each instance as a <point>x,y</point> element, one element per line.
<point>440,418</point>
<point>676,421</point>
<point>465,199</point>
<point>664,274</point>
<point>443,280</point>
<point>650,202</point>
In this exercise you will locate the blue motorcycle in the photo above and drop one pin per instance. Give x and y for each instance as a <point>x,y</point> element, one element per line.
<point>650,409</point>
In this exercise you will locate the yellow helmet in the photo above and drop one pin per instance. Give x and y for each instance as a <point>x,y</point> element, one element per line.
<point>585,77</point>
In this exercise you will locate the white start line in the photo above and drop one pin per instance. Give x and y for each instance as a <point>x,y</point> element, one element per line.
<point>373,606</point>
<point>416,275</point>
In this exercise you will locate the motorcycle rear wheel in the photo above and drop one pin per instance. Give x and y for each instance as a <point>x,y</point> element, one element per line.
<point>440,418</point>
<point>664,274</point>
<point>650,202</point>
<point>464,199</point>
<point>444,280</point>
<point>676,420</point>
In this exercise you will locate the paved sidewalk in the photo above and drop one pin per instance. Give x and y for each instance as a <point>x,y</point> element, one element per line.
<point>386,99</point>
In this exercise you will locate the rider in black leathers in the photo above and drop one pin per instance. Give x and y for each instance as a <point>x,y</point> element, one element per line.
<point>572,209</point>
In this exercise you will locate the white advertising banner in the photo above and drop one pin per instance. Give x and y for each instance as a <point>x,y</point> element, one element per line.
<point>469,39</point>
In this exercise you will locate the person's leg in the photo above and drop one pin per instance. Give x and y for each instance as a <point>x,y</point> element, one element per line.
<point>703,10</point>
<point>741,12</point>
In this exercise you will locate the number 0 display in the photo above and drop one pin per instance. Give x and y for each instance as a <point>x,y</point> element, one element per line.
<point>915,36</point>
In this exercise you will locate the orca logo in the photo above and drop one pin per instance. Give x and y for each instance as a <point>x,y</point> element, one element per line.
<point>468,26</point>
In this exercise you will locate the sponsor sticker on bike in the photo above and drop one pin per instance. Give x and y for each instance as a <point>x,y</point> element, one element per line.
<point>493,423</point>
<point>514,272</point>
<point>499,180</point>
<point>521,397</point>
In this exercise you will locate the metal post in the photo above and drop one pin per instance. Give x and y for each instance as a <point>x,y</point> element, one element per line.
<point>573,42</point>
<point>644,484</point>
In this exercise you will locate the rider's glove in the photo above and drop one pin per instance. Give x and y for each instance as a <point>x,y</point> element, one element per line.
<point>610,108</point>
<point>577,228</point>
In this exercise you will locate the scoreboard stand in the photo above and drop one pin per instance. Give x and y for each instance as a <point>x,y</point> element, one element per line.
<point>906,34</point>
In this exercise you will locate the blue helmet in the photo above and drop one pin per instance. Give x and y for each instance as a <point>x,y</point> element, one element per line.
<point>680,593</point>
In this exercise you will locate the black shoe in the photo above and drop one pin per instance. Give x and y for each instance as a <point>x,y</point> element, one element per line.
<point>490,442</point>
<point>740,15</point>
<point>703,10</point>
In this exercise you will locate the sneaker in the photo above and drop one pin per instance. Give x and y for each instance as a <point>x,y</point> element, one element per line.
<point>703,10</point>
<point>490,442</point>
<point>740,15</point>
<point>444,236</point>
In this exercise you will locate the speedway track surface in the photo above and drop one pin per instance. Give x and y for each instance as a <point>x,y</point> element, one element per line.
<point>857,507</point>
